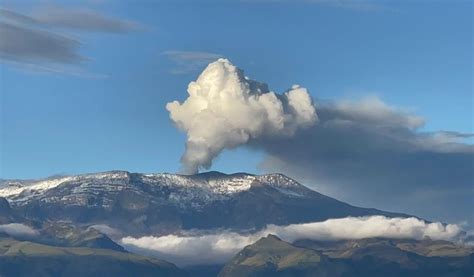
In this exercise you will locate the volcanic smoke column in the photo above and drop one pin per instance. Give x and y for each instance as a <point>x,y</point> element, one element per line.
<point>226,109</point>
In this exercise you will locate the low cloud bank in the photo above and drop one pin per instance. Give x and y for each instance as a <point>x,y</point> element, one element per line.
<point>221,246</point>
<point>367,227</point>
<point>18,230</point>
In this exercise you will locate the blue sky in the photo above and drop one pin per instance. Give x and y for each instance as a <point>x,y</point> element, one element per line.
<point>107,112</point>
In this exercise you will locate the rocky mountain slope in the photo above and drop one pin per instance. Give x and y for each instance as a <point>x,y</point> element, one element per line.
<point>54,233</point>
<point>271,256</point>
<point>24,258</point>
<point>350,248</point>
<point>163,203</point>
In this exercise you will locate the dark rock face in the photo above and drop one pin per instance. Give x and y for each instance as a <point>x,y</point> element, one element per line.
<point>5,211</point>
<point>162,203</point>
<point>370,257</point>
<point>4,205</point>
<point>7,214</point>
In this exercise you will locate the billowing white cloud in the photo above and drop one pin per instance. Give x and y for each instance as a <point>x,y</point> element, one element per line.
<point>18,229</point>
<point>225,109</point>
<point>220,246</point>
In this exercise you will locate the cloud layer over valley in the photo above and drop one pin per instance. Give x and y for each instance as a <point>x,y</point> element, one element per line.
<point>218,247</point>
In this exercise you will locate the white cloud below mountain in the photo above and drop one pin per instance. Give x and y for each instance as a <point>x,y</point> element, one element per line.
<point>18,229</point>
<point>218,247</point>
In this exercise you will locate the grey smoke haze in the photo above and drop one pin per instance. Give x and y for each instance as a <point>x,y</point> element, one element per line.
<point>369,153</point>
<point>364,151</point>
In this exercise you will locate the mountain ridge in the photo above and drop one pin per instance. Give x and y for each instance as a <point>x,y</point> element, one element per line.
<point>161,203</point>
<point>271,256</point>
<point>26,258</point>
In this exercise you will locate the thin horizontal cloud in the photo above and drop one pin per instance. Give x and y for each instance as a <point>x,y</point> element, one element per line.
<point>189,61</point>
<point>354,5</point>
<point>24,44</point>
<point>12,16</point>
<point>84,20</point>
<point>32,42</point>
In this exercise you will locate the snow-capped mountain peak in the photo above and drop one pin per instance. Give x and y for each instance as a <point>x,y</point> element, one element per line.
<point>164,202</point>
<point>200,187</point>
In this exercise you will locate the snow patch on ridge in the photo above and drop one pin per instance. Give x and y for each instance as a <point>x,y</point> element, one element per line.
<point>17,187</point>
<point>19,190</point>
